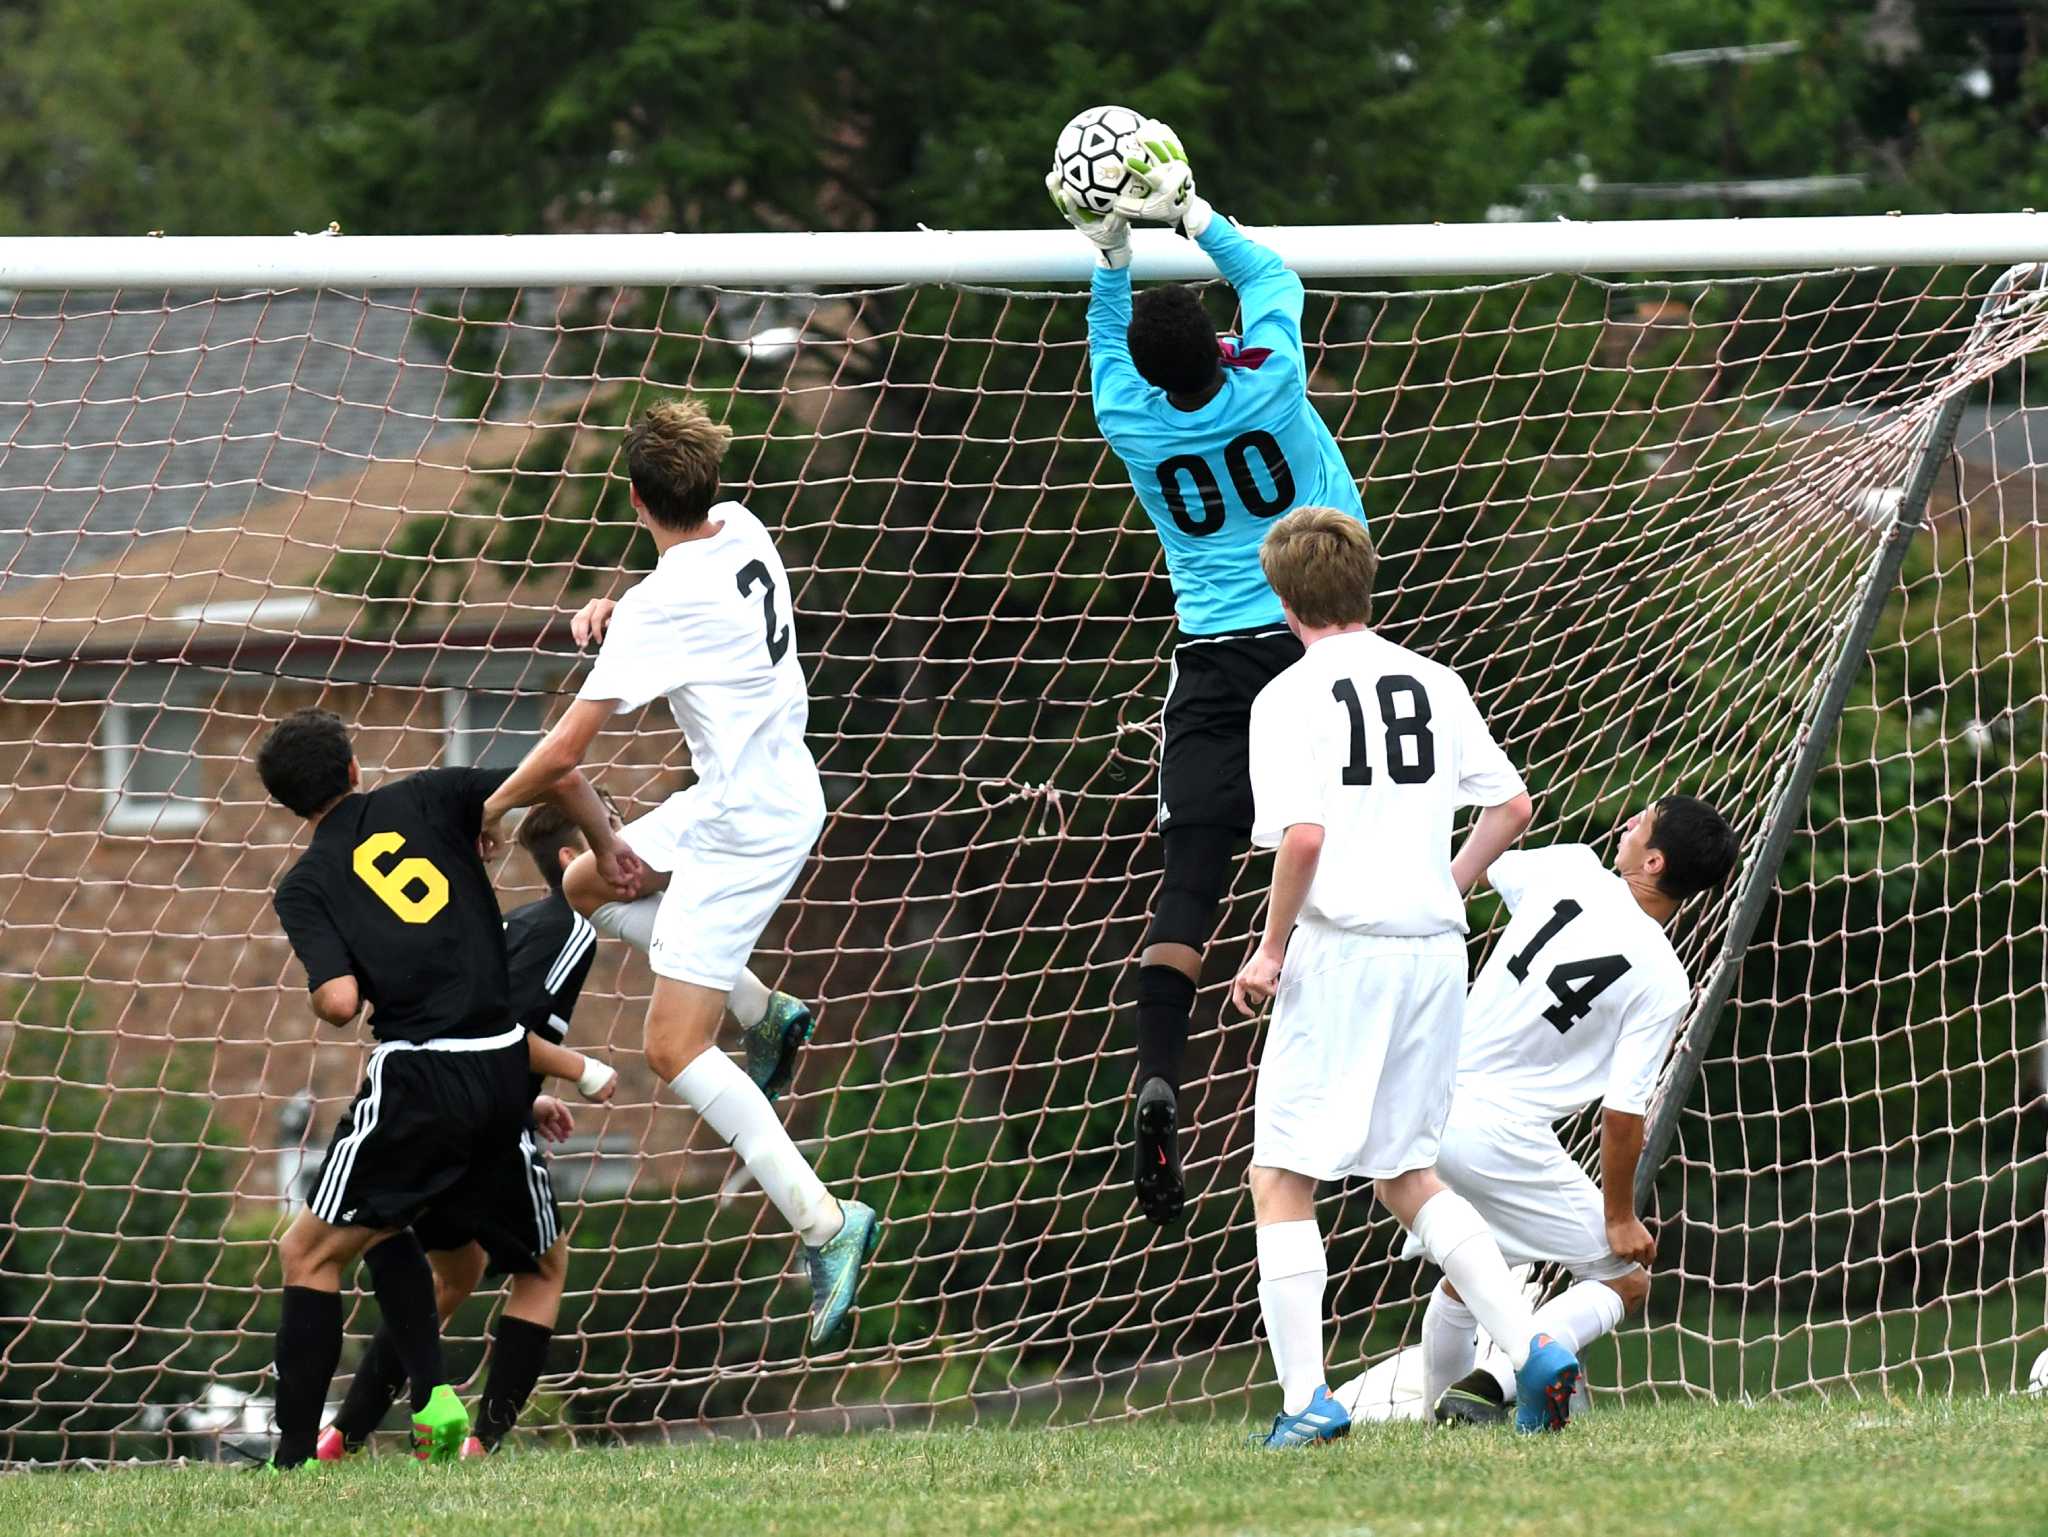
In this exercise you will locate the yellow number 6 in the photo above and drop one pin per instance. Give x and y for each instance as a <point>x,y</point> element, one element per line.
<point>390,884</point>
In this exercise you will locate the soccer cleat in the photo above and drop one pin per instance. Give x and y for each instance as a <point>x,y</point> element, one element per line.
<point>774,1040</point>
<point>835,1267</point>
<point>1474,1399</point>
<point>1543,1387</point>
<point>332,1447</point>
<point>474,1448</point>
<point>439,1430</point>
<point>1323,1421</point>
<point>1156,1153</point>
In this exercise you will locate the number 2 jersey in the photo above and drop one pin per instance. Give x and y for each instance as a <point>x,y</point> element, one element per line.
<point>393,892</point>
<point>1213,479</point>
<point>711,629</point>
<point>1581,996</point>
<point>1378,746</point>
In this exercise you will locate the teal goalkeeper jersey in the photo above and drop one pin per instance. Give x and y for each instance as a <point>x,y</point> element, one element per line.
<point>1213,479</point>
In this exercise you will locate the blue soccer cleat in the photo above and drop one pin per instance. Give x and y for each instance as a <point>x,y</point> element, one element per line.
<point>835,1267</point>
<point>1543,1387</point>
<point>774,1040</point>
<point>1323,1421</point>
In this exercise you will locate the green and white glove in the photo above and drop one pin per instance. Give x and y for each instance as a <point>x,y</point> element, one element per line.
<point>1161,187</point>
<point>1109,233</point>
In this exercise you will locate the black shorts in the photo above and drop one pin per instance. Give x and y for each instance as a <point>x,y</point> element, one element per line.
<point>432,1123</point>
<point>507,1205</point>
<point>1205,775</point>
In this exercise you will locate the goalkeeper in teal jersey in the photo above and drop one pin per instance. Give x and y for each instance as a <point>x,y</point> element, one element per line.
<point>1220,439</point>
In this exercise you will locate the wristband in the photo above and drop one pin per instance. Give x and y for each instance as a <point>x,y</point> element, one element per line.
<point>595,1076</point>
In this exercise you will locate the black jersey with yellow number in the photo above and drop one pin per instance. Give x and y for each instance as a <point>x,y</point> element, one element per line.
<point>393,892</point>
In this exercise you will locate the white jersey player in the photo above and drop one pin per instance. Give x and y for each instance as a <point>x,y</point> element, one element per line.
<point>711,630</point>
<point>1579,1001</point>
<point>1361,753</point>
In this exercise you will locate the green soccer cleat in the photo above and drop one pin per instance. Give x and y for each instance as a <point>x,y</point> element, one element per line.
<point>1474,1399</point>
<point>774,1041</point>
<point>835,1268</point>
<point>439,1430</point>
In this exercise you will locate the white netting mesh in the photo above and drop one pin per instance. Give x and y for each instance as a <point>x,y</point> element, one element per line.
<point>1635,516</point>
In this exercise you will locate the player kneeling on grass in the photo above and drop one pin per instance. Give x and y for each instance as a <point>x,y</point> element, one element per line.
<point>391,906</point>
<point>1579,1001</point>
<point>1360,754</point>
<point>711,630</point>
<point>516,1229</point>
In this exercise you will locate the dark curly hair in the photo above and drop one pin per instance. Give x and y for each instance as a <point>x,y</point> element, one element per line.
<point>304,760</point>
<point>1173,340</point>
<point>1700,849</point>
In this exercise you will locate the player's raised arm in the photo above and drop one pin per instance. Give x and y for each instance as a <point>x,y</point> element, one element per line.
<point>1162,188</point>
<point>551,770</point>
<point>1112,377</point>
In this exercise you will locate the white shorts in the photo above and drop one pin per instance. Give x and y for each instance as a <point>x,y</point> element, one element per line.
<point>1540,1205</point>
<point>1355,1079</point>
<point>727,876</point>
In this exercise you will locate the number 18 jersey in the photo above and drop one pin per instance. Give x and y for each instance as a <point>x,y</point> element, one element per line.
<point>1378,746</point>
<point>1581,996</point>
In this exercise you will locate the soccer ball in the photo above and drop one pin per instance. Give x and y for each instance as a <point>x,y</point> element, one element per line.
<point>1090,155</point>
<point>2037,1379</point>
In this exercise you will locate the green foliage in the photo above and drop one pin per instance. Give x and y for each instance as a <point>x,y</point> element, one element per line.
<point>120,1278</point>
<point>118,117</point>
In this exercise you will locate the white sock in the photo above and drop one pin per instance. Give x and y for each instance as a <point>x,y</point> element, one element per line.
<point>631,921</point>
<point>1450,1344</point>
<point>1456,1237</point>
<point>1292,1273</point>
<point>748,1001</point>
<point>1580,1314</point>
<point>735,1108</point>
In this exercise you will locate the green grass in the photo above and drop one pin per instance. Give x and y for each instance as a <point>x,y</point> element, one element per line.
<point>1810,1466</point>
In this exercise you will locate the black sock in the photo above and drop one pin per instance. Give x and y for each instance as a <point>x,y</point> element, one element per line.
<point>518,1352</point>
<point>308,1350</point>
<point>404,1284</point>
<point>1165,1000</point>
<point>380,1378</point>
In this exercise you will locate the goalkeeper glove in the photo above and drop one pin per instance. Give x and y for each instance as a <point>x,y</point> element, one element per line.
<point>1109,233</point>
<point>1161,186</point>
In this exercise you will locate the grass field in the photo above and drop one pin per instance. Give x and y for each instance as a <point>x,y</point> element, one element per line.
<point>1862,1467</point>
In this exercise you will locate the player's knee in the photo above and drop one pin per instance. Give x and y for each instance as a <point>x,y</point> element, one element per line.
<point>1633,1289</point>
<point>1191,888</point>
<point>553,1270</point>
<point>581,886</point>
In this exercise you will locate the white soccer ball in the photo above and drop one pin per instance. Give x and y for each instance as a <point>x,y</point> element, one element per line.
<point>1090,155</point>
<point>2037,1379</point>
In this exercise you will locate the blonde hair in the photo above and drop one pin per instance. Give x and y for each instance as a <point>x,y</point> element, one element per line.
<point>672,456</point>
<point>1321,563</point>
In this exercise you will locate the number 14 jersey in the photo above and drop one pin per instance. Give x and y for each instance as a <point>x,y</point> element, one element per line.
<point>1378,746</point>
<point>1579,999</point>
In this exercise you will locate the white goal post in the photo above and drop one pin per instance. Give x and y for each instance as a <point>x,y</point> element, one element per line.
<point>1747,508</point>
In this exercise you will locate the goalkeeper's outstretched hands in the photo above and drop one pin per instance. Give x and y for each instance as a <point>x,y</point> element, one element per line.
<point>1110,233</point>
<point>1160,186</point>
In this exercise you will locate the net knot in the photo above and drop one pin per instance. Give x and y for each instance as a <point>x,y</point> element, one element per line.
<point>1049,798</point>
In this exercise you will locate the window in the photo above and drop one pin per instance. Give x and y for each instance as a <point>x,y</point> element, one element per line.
<point>150,769</point>
<point>493,730</point>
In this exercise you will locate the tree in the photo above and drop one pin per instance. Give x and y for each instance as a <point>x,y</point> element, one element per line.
<point>118,117</point>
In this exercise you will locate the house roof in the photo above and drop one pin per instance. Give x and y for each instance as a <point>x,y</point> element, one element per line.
<point>250,586</point>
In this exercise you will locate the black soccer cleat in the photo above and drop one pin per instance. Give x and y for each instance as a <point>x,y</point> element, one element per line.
<point>1156,1156</point>
<point>1474,1399</point>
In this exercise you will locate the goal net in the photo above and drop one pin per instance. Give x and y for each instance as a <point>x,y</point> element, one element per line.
<point>1649,521</point>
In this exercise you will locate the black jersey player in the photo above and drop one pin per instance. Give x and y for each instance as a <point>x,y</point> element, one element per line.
<point>390,906</point>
